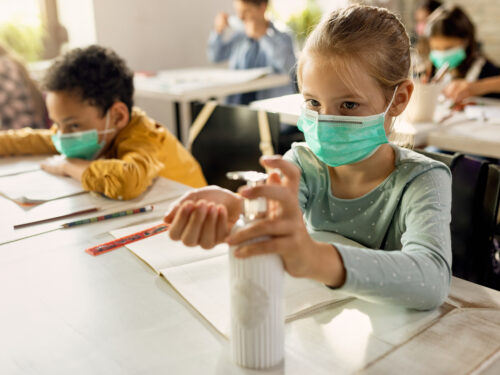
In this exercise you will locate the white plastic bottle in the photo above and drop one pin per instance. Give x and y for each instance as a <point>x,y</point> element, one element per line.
<point>256,285</point>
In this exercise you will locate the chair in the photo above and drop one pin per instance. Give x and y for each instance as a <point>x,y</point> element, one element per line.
<point>230,141</point>
<point>474,210</point>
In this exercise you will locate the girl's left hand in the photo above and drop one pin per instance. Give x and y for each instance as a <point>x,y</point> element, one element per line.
<point>302,256</point>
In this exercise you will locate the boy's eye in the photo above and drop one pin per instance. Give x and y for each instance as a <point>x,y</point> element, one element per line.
<point>349,105</point>
<point>74,126</point>
<point>311,103</point>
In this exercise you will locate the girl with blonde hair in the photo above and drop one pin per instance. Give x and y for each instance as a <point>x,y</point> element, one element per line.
<point>347,178</point>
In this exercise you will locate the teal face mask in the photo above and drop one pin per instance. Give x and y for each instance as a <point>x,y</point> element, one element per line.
<point>453,57</point>
<point>341,140</point>
<point>82,145</point>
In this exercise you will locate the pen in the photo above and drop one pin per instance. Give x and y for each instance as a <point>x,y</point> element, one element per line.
<point>440,73</point>
<point>108,216</point>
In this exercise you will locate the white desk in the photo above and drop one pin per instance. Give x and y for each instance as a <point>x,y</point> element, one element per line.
<point>184,86</point>
<point>460,134</point>
<point>66,312</point>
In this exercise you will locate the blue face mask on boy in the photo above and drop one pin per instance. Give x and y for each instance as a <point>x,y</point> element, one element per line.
<point>341,140</point>
<point>82,145</point>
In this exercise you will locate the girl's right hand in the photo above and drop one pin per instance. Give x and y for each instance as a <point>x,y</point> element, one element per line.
<point>204,216</point>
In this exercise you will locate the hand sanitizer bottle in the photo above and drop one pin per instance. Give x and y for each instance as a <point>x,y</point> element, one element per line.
<point>256,288</point>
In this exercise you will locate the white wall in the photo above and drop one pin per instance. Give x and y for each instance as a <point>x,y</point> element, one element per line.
<point>157,34</point>
<point>78,19</point>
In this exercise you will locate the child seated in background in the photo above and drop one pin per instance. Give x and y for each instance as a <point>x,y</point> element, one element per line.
<point>21,102</point>
<point>110,147</point>
<point>452,40</point>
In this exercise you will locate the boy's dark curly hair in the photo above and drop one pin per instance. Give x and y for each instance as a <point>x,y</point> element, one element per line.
<point>97,74</point>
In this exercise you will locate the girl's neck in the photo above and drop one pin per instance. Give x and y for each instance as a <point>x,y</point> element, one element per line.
<point>355,180</point>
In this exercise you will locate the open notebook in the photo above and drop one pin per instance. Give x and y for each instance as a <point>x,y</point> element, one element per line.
<point>202,277</point>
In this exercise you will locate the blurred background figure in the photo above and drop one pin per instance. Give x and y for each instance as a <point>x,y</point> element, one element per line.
<point>423,11</point>
<point>254,43</point>
<point>452,40</point>
<point>21,101</point>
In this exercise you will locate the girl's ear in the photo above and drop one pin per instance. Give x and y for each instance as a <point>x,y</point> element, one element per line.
<point>401,99</point>
<point>119,115</point>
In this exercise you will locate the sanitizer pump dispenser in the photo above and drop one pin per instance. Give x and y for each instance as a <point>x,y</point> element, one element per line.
<point>256,286</point>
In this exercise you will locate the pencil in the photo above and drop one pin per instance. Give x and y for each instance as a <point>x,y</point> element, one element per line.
<point>81,212</point>
<point>108,216</point>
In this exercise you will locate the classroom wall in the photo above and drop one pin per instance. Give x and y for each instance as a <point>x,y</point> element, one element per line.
<point>157,34</point>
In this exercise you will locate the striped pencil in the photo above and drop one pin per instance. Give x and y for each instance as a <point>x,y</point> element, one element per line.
<point>108,216</point>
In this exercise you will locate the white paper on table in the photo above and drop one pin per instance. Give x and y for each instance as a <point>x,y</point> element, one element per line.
<point>161,190</point>
<point>38,186</point>
<point>20,164</point>
<point>483,112</point>
<point>202,278</point>
<point>182,80</point>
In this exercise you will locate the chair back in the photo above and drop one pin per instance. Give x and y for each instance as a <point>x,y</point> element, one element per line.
<point>230,140</point>
<point>474,217</point>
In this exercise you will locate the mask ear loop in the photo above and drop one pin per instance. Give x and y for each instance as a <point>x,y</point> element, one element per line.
<point>399,139</point>
<point>105,131</point>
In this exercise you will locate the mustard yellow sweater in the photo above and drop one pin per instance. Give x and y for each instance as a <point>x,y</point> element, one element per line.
<point>140,152</point>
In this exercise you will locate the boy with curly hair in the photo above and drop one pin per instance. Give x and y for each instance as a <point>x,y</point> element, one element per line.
<point>110,147</point>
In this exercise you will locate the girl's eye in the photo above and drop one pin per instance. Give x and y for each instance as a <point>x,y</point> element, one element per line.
<point>349,105</point>
<point>74,126</point>
<point>311,103</point>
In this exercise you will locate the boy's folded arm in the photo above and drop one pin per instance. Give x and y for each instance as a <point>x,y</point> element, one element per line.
<point>124,178</point>
<point>26,141</point>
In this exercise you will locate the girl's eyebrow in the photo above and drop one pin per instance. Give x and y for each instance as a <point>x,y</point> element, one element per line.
<point>348,96</point>
<point>70,118</point>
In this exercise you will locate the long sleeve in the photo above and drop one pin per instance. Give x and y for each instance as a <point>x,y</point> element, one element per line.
<point>418,276</point>
<point>129,174</point>
<point>278,47</point>
<point>26,141</point>
<point>219,49</point>
<point>141,152</point>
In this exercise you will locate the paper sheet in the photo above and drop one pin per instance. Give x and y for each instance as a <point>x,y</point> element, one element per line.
<point>202,278</point>
<point>37,187</point>
<point>182,80</point>
<point>20,164</point>
<point>161,190</point>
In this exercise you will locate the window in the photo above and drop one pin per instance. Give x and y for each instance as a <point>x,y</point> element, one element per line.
<point>31,28</point>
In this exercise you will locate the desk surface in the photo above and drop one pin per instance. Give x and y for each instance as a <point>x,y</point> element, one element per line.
<point>205,83</point>
<point>460,134</point>
<point>64,311</point>
<point>199,84</point>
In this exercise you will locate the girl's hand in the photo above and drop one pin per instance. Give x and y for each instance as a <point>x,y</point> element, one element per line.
<point>204,216</point>
<point>459,90</point>
<point>302,256</point>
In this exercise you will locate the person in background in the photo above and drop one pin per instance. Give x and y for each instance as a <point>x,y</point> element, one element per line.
<point>452,40</point>
<point>346,178</point>
<point>424,9</point>
<point>21,102</point>
<point>109,146</point>
<point>256,43</point>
